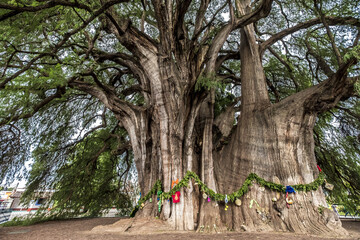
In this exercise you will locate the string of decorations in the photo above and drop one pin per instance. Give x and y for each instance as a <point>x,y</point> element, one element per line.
<point>211,194</point>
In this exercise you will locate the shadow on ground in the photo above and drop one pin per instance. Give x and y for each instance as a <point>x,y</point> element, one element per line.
<point>113,228</point>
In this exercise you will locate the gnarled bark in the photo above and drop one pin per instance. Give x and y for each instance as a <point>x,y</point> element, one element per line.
<point>173,131</point>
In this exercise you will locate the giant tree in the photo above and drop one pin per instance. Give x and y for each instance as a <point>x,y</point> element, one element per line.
<point>219,88</point>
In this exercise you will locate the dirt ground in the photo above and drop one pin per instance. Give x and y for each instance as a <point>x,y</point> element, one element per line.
<point>113,228</point>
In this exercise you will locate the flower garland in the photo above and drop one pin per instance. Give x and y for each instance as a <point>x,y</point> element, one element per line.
<point>157,189</point>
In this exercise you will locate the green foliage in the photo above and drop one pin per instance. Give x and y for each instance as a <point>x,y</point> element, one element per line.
<point>87,183</point>
<point>337,152</point>
<point>353,53</point>
<point>209,82</point>
<point>223,99</point>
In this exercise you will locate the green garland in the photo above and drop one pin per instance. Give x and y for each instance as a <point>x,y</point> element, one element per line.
<point>157,189</point>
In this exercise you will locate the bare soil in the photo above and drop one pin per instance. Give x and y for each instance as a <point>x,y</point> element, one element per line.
<point>139,229</point>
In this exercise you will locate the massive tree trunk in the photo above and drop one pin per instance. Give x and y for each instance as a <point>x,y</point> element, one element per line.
<point>174,131</point>
<point>173,128</point>
<point>273,141</point>
<point>276,143</point>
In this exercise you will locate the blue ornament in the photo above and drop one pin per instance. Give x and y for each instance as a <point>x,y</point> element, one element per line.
<point>290,189</point>
<point>226,199</point>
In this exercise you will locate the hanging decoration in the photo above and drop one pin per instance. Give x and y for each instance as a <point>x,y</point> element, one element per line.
<point>209,200</point>
<point>174,182</point>
<point>252,202</point>
<point>207,192</point>
<point>290,189</point>
<point>226,202</point>
<point>319,168</point>
<point>176,197</point>
<point>159,206</point>
<point>329,186</point>
<point>159,194</point>
<point>289,199</point>
<point>238,202</point>
<point>205,196</point>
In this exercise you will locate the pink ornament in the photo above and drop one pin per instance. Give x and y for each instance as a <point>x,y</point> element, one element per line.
<point>209,199</point>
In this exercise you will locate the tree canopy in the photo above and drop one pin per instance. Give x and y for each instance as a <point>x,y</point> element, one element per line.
<point>60,59</point>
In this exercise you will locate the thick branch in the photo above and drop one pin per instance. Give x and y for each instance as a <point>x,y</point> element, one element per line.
<point>260,12</point>
<point>134,40</point>
<point>208,26</point>
<point>181,9</point>
<point>107,97</point>
<point>222,58</point>
<point>325,95</point>
<point>330,20</point>
<point>15,9</point>
<point>200,16</point>
<point>164,18</point>
<point>129,62</point>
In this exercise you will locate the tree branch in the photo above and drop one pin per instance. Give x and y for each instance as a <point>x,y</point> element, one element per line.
<point>59,92</point>
<point>181,9</point>
<point>289,68</point>
<point>260,12</point>
<point>106,96</point>
<point>15,9</point>
<point>222,58</point>
<point>207,26</point>
<point>323,65</point>
<point>66,37</point>
<point>164,18</point>
<point>329,33</point>
<point>330,20</point>
<point>200,17</point>
<point>327,94</point>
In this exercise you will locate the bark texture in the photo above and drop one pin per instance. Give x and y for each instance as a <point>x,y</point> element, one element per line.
<point>174,131</point>
<point>176,59</point>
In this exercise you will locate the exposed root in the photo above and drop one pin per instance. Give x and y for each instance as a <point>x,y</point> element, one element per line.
<point>135,225</point>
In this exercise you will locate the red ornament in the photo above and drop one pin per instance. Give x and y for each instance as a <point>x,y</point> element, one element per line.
<point>176,197</point>
<point>318,168</point>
